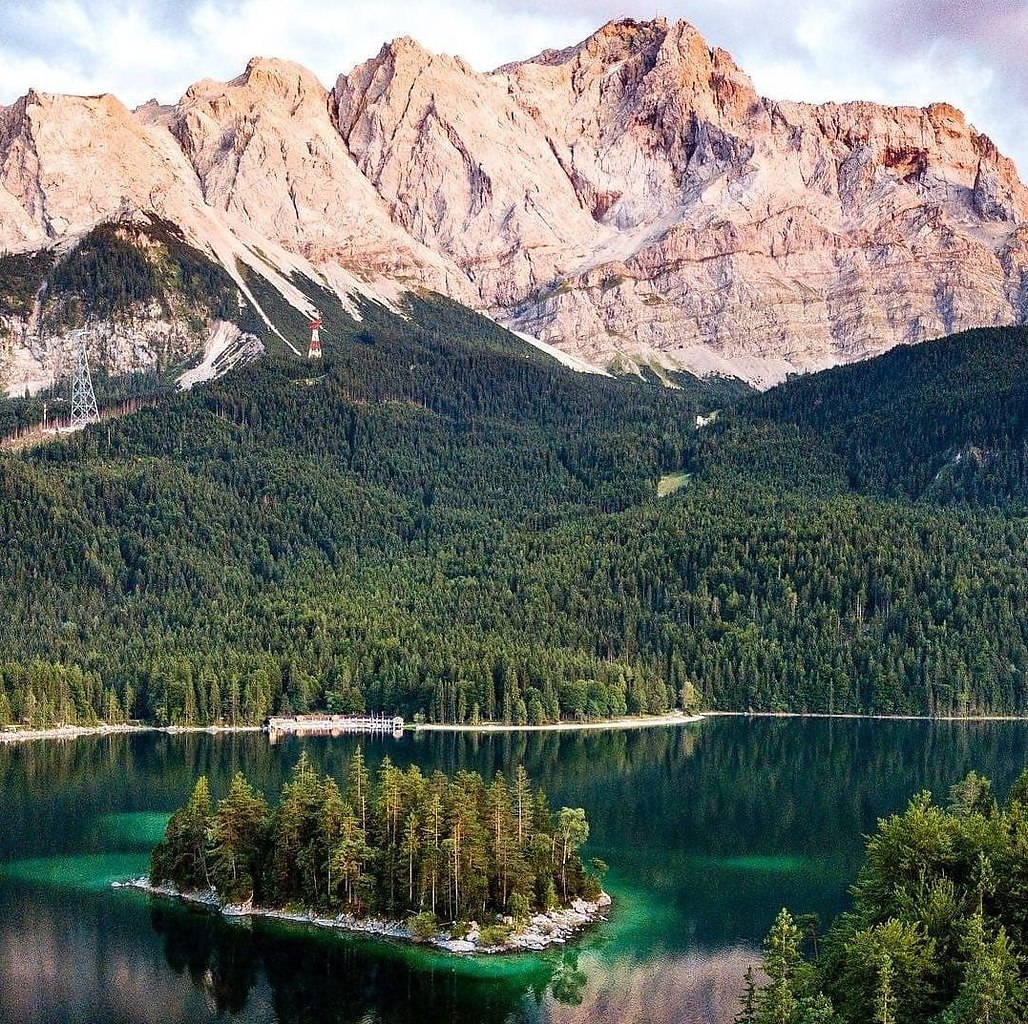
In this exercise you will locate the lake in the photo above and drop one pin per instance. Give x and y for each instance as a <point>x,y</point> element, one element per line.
<point>709,829</point>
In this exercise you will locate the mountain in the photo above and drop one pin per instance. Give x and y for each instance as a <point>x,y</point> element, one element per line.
<point>239,192</point>
<point>443,522</point>
<point>631,200</point>
<point>944,422</point>
<point>635,195</point>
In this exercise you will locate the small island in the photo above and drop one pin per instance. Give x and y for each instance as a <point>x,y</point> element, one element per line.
<point>466,865</point>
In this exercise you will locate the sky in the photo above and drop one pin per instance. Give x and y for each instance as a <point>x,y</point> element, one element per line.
<point>965,53</point>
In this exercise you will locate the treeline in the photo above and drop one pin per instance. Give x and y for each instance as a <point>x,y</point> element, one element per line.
<point>939,923</point>
<point>397,845</point>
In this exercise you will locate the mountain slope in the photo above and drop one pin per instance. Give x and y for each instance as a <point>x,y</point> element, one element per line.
<point>634,195</point>
<point>443,522</point>
<point>630,199</point>
<point>946,421</point>
<point>304,537</point>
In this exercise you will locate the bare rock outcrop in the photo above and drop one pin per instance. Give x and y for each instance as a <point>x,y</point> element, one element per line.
<point>267,155</point>
<point>631,199</point>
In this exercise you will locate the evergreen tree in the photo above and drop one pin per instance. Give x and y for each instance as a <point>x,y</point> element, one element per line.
<point>238,838</point>
<point>777,1003</point>
<point>182,856</point>
<point>934,935</point>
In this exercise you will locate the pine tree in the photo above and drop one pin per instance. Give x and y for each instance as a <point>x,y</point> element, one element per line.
<point>991,991</point>
<point>357,785</point>
<point>238,836</point>
<point>411,849</point>
<point>572,833</point>
<point>181,857</point>
<point>778,1002</point>
<point>523,803</point>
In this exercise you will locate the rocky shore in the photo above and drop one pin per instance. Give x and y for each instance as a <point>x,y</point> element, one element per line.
<point>66,732</point>
<point>553,928</point>
<point>73,732</point>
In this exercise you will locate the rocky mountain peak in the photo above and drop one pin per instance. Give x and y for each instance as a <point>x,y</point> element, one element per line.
<point>266,82</point>
<point>281,80</point>
<point>631,198</point>
<point>404,48</point>
<point>620,39</point>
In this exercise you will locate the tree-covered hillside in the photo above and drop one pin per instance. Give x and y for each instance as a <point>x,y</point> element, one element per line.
<point>441,521</point>
<point>294,534</point>
<point>945,421</point>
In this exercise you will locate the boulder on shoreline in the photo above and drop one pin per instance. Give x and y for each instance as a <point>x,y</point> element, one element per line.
<point>554,927</point>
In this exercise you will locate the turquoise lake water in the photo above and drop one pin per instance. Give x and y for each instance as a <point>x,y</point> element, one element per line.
<point>709,829</point>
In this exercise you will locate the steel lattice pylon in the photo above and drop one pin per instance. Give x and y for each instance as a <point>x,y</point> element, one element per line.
<point>83,398</point>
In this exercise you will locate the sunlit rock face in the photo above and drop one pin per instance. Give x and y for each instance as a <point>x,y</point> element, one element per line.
<point>630,199</point>
<point>633,196</point>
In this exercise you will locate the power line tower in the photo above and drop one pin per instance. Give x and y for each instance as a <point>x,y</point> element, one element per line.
<point>83,398</point>
<point>314,352</point>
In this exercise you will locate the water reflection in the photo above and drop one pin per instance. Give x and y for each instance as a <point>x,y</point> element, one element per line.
<point>687,989</point>
<point>569,981</point>
<point>83,958</point>
<point>708,829</point>
<point>220,961</point>
<point>343,980</point>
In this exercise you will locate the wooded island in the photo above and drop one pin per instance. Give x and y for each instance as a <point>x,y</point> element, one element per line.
<point>489,859</point>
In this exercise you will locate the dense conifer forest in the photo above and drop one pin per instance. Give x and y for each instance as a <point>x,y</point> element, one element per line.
<point>936,931</point>
<point>397,845</point>
<point>944,421</point>
<point>441,522</point>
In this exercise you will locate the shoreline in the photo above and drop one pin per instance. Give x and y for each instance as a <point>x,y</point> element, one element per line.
<point>71,732</point>
<point>552,928</point>
<point>856,715</point>
<point>625,722</point>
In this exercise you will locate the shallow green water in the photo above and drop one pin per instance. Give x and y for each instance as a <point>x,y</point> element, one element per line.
<point>709,829</point>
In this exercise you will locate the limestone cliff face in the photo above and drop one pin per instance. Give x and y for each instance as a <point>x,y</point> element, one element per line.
<point>633,196</point>
<point>267,154</point>
<point>630,199</point>
<point>464,168</point>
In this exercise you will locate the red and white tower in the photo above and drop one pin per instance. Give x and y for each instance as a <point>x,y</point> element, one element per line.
<point>314,352</point>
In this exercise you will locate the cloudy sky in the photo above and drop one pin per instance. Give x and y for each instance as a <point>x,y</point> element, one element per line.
<point>968,52</point>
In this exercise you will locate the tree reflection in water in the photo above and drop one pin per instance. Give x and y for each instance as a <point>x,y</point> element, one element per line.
<point>568,980</point>
<point>335,978</point>
<point>221,961</point>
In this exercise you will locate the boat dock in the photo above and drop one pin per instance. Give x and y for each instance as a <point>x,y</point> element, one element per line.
<point>334,725</point>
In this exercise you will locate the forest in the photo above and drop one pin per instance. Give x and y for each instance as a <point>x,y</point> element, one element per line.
<point>396,845</point>
<point>939,920</point>
<point>944,422</point>
<point>443,523</point>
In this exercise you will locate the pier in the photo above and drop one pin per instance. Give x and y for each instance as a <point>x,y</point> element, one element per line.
<point>334,725</point>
